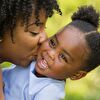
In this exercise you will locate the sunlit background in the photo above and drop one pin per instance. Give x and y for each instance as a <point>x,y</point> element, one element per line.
<point>87,88</point>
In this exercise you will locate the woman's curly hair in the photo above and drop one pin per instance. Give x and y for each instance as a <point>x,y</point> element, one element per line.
<point>12,10</point>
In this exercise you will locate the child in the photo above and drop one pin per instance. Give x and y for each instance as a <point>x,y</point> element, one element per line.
<point>22,30</point>
<point>71,53</point>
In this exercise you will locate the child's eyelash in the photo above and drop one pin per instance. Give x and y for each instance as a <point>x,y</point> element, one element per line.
<point>52,43</point>
<point>63,57</point>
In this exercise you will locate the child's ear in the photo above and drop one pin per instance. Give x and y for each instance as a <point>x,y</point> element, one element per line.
<point>78,75</point>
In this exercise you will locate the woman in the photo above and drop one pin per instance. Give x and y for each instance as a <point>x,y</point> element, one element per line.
<point>22,24</point>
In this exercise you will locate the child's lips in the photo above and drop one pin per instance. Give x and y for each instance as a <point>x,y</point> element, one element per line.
<point>42,63</point>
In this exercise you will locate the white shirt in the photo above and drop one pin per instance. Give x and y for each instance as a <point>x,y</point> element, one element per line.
<point>22,84</point>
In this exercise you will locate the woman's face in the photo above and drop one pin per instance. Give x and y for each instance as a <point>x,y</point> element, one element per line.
<point>26,43</point>
<point>62,55</point>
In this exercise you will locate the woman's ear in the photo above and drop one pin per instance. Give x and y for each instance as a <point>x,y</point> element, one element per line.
<point>78,75</point>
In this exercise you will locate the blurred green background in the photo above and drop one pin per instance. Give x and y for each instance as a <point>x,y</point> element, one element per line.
<point>87,88</point>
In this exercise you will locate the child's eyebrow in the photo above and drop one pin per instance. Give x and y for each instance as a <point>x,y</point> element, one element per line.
<point>63,49</point>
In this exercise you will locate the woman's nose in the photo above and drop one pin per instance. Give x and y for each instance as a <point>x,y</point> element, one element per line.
<point>43,37</point>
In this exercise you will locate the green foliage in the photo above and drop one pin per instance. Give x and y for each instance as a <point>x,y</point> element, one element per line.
<point>5,64</point>
<point>67,7</point>
<point>84,89</point>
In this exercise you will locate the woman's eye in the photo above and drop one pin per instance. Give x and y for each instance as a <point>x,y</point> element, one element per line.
<point>34,33</point>
<point>62,56</point>
<point>52,43</point>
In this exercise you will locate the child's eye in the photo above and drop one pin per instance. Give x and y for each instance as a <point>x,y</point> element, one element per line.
<point>62,56</point>
<point>52,43</point>
<point>34,33</point>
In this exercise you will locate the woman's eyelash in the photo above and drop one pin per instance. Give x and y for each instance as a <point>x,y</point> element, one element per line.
<point>33,33</point>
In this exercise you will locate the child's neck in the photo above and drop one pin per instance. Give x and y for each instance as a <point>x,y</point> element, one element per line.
<point>38,75</point>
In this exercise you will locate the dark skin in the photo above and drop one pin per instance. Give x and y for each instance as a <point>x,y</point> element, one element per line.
<point>26,43</point>
<point>25,46</point>
<point>59,56</point>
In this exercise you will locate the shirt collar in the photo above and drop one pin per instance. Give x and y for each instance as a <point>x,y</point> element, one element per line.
<point>36,83</point>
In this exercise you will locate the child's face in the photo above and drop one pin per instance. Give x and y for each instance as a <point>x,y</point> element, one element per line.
<point>62,55</point>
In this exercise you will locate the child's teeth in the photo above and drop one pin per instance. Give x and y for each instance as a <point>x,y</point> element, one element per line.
<point>44,64</point>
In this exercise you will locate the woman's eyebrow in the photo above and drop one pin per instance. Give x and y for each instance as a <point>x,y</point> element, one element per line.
<point>63,49</point>
<point>39,23</point>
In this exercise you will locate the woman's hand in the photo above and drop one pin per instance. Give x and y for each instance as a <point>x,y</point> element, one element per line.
<point>1,86</point>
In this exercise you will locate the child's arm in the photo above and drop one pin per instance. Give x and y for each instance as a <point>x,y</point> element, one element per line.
<point>1,86</point>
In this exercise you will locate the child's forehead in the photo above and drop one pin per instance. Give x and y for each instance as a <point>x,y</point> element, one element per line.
<point>70,32</point>
<point>73,41</point>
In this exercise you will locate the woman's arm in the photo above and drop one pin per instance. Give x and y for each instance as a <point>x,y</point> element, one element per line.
<point>1,86</point>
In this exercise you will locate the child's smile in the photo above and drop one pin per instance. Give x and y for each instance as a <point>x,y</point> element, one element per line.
<point>42,64</point>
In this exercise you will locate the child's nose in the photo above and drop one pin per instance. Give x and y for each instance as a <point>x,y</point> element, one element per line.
<point>52,54</point>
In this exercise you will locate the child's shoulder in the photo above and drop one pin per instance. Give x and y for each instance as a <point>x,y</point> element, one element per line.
<point>53,91</point>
